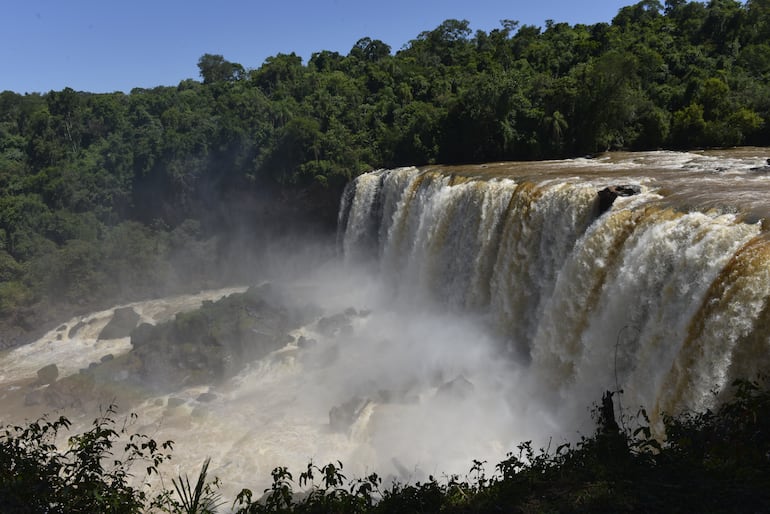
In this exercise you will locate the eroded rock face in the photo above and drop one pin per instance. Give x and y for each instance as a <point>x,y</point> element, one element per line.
<point>607,196</point>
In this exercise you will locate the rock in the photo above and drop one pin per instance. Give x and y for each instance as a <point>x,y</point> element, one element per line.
<point>608,195</point>
<point>34,398</point>
<point>342,417</point>
<point>75,329</point>
<point>304,342</point>
<point>47,374</point>
<point>142,334</point>
<point>107,358</point>
<point>123,321</point>
<point>206,397</point>
<point>71,391</point>
<point>331,326</point>
<point>459,388</point>
<point>211,343</point>
<point>762,169</point>
<point>174,402</point>
<point>199,412</point>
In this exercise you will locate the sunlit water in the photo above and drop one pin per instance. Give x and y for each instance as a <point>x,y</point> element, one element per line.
<point>493,304</point>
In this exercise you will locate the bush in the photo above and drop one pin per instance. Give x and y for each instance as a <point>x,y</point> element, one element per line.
<point>88,477</point>
<point>715,461</point>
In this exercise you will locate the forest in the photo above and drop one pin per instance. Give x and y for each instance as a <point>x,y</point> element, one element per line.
<point>120,196</point>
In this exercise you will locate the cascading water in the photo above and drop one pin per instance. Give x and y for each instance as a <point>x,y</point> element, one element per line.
<point>664,296</point>
<point>477,307</point>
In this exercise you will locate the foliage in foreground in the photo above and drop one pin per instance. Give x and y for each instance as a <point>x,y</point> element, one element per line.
<point>90,476</point>
<point>715,461</point>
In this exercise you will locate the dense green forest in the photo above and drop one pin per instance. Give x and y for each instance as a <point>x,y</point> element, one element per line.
<point>107,196</point>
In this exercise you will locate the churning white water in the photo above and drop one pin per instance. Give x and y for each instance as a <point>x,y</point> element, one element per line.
<point>479,307</point>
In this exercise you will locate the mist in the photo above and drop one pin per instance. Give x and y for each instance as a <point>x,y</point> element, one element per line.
<point>453,319</point>
<point>383,386</point>
<point>378,380</point>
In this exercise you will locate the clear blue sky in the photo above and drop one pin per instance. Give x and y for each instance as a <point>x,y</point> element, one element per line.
<point>116,45</point>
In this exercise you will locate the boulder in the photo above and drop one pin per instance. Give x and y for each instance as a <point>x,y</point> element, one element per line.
<point>459,388</point>
<point>34,398</point>
<point>174,402</point>
<point>142,335</point>
<point>75,329</point>
<point>211,343</point>
<point>206,397</point>
<point>304,342</point>
<point>342,417</point>
<point>762,169</point>
<point>607,196</point>
<point>123,321</point>
<point>71,391</point>
<point>334,325</point>
<point>47,374</point>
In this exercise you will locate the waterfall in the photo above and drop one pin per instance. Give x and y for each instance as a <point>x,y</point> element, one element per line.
<point>475,308</point>
<point>664,296</point>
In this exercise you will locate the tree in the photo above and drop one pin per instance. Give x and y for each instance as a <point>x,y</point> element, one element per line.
<point>214,68</point>
<point>369,49</point>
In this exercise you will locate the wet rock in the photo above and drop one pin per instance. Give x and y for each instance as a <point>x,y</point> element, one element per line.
<point>206,397</point>
<point>75,329</point>
<point>607,196</point>
<point>762,169</point>
<point>213,342</point>
<point>174,402</point>
<point>71,391</point>
<point>304,342</point>
<point>123,321</point>
<point>459,388</point>
<point>342,417</point>
<point>34,398</point>
<point>142,334</point>
<point>199,412</point>
<point>47,374</point>
<point>331,326</point>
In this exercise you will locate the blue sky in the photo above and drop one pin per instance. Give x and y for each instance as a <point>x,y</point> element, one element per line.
<point>116,45</point>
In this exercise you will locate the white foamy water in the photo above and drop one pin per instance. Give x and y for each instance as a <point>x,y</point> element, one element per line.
<point>494,304</point>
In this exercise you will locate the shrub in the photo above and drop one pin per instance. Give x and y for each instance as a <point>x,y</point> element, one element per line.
<point>87,477</point>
